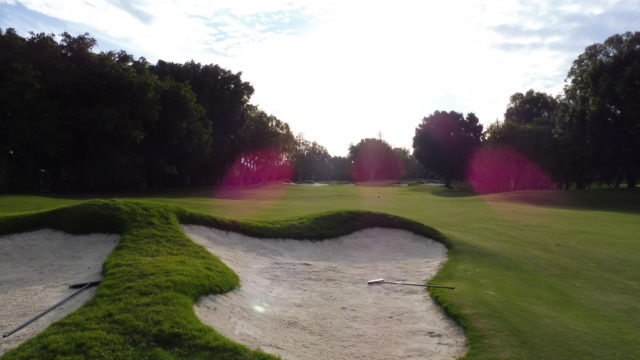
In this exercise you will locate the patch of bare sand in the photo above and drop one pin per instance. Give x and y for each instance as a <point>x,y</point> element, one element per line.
<point>36,269</point>
<point>310,299</point>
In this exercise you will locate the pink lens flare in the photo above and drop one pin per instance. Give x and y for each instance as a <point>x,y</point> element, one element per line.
<point>373,164</point>
<point>258,167</point>
<point>493,170</point>
<point>257,175</point>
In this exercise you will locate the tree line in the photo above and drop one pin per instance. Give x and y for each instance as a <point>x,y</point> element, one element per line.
<point>72,119</point>
<point>588,134</point>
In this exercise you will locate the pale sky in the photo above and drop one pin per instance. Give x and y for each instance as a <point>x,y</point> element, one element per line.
<point>339,71</point>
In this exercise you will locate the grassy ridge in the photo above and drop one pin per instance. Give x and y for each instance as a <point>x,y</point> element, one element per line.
<point>144,306</point>
<point>317,227</point>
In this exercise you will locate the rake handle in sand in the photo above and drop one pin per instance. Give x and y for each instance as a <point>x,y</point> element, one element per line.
<point>382,281</point>
<point>81,287</point>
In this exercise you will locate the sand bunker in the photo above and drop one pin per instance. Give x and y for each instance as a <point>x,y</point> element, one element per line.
<point>36,269</point>
<point>310,300</point>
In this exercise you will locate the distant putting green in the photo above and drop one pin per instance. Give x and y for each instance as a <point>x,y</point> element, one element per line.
<point>538,274</point>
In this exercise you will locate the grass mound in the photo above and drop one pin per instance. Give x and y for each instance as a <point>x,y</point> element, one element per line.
<point>144,306</point>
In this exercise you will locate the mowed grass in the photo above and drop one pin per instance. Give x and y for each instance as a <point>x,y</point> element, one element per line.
<point>538,274</point>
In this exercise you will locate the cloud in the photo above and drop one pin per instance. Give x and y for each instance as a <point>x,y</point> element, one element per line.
<point>176,31</point>
<point>17,16</point>
<point>566,26</point>
<point>134,10</point>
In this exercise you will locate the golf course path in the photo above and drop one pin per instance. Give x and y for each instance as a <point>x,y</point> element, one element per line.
<point>303,299</point>
<point>36,269</point>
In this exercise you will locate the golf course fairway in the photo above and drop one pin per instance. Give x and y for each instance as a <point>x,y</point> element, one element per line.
<point>538,274</point>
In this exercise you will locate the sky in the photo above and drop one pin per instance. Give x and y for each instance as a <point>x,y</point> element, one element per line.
<point>339,71</point>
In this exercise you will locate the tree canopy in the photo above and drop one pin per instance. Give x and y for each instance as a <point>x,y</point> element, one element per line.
<point>531,107</point>
<point>374,159</point>
<point>592,132</point>
<point>444,142</point>
<point>603,97</point>
<point>72,119</point>
<point>76,120</point>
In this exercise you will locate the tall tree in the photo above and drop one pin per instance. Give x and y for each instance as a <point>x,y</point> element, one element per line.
<point>265,145</point>
<point>528,128</point>
<point>342,168</point>
<point>444,141</point>
<point>411,166</point>
<point>178,144</point>
<point>374,159</point>
<point>224,95</point>
<point>604,99</point>
<point>312,161</point>
<point>107,121</point>
<point>530,107</point>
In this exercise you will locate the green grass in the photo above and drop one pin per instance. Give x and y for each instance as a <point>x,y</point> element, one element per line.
<point>538,274</point>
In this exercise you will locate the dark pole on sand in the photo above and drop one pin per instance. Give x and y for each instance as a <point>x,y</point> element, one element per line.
<point>81,287</point>
<point>382,281</point>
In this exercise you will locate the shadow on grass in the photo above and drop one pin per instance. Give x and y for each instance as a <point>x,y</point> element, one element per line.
<point>456,191</point>
<point>615,200</point>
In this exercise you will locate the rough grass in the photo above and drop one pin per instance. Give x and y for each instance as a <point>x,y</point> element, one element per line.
<point>144,306</point>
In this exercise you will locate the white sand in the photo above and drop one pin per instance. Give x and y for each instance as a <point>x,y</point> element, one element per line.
<point>310,300</point>
<point>36,269</point>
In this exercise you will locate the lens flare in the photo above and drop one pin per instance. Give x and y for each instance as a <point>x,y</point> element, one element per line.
<point>374,164</point>
<point>493,170</point>
<point>257,176</point>
<point>258,168</point>
<point>506,179</point>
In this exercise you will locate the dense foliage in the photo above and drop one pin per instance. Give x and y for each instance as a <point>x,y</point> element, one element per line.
<point>313,162</point>
<point>75,120</point>
<point>444,142</point>
<point>590,134</point>
<point>374,159</point>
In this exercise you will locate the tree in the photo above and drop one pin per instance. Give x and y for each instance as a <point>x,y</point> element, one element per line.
<point>444,141</point>
<point>261,130</point>
<point>312,161</point>
<point>530,107</point>
<point>374,159</point>
<point>265,150</point>
<point>603,96</point>
<point>179,143</point>
<point>342,168</point>
<point>411,166</point>
<point>107,121</point>
<point>224,96</point>
<point>528,129</point>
